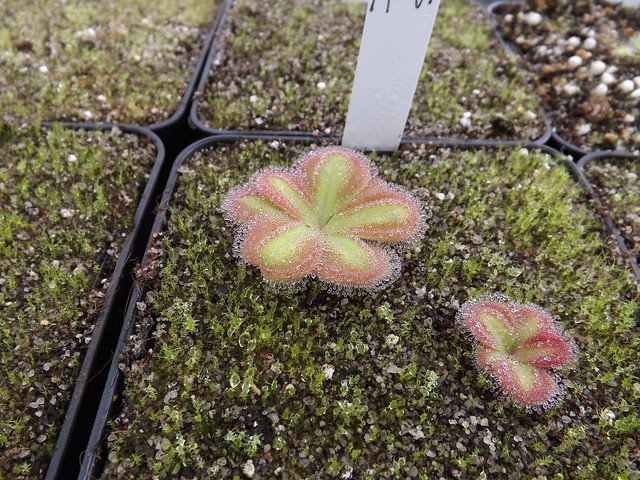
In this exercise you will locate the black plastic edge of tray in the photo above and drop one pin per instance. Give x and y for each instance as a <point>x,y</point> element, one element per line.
<point>489,9</point>
<point>195,122</point>
<point>88,386</point>
<point>631,260</point>
<point>95,456</point>
<point>555,140</point>
<point>194,80</point>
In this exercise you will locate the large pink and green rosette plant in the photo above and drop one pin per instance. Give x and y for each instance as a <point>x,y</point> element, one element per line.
<point>328,217</point>
<point>520,346</point>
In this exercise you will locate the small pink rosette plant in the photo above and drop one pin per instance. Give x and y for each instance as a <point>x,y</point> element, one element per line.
<point>518,345</point>
<point>328,217</point>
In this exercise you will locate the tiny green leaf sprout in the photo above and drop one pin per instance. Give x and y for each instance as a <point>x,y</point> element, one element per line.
<point>518,345</point>
<point>328,217</point>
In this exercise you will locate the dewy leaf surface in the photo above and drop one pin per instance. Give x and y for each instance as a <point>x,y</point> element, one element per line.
<point>334,176</point>
<point>490,324</point>
<point>245,204</point>
<point>282,189</point>
<point>387,220</point>
<point>546,350</point>
<point>525,383</point>
<point>285,251</point>
<point>325,207</point>
<point>353,262</point>
<point>516,344</point>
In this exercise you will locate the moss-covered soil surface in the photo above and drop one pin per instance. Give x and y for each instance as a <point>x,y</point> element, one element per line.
<point>66,201</point>
<point>109,61</point>
<point>586,58</point>
<point>617,184</point>
<point>289,66</point>
<point>240,381</point>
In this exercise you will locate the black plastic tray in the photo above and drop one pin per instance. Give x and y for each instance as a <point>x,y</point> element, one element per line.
<point>88,386</point>
<point>168,127</point>
<point>95,454</point>
<point>195,121</point>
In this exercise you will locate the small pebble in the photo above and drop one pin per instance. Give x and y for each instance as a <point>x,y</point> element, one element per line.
<point>43,69</point>
<point>253,98</point>
<point>626,86</point>
<point>531,18</point>
<point>321,85</point>
<point>328,371</point>
<point>72,158</point>
<point>571,89</point>
<point>608,78</point>
<point>601,89</point>
<point>610,137</point>
<point>574,41</point>
<point>597,67</point>
<point>575,61</point>
<point>636,80</point>
<point>465,121</point>
<point>635,95</point>
<point>583,129</point>
<point>249,469</point>
<point>589,43</point>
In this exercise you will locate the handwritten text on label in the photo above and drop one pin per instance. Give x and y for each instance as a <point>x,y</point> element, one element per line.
<point>418,4</point>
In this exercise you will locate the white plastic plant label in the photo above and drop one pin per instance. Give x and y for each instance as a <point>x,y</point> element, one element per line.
<point>627,3</point>
<point>394,43</point>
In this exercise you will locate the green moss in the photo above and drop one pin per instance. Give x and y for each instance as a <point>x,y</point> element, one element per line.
<point>382,385</point>
<point>65,198</point>
<point>114,61</point>
<point>274,59</point>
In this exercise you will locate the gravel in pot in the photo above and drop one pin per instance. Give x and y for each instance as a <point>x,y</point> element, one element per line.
<point>585,56</point>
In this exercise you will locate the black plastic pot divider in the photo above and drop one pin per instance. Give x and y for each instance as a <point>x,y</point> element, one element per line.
<point>96,453</point>
<point>88,387</point>
<point>631,260</point>
<point>170,137</point>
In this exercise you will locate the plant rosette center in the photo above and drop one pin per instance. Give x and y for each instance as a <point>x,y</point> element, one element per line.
<point>328,216</point>
<point>518,345</point>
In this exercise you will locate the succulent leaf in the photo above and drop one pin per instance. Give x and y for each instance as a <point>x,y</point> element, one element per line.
<point>245,204</point>
<point>284,251</point>
<point>546,350</point>
<point>334,176</point>
<point>316,219</point>
<point>490,324</point>
<point>390,218</point>
<point>353,262</point>
<point>517,343</point>
<point>525,383</point>
<point>282,189</point>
